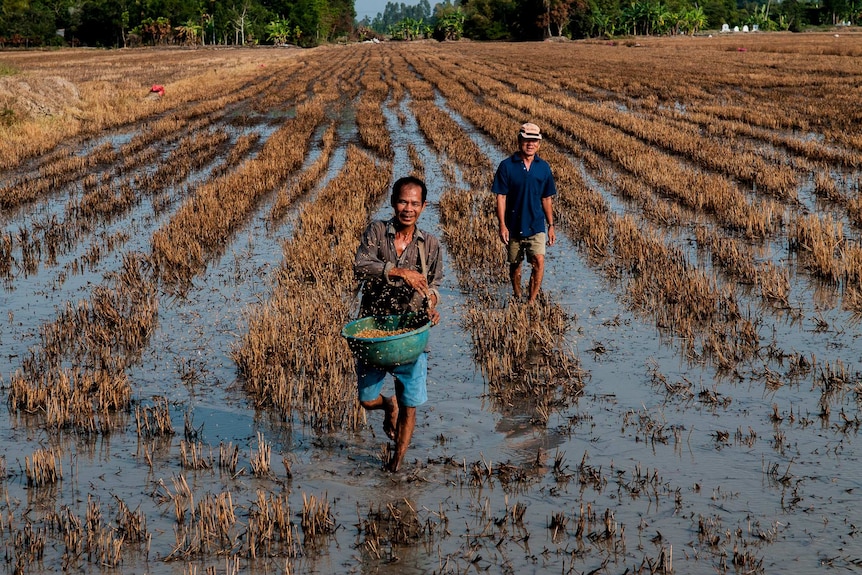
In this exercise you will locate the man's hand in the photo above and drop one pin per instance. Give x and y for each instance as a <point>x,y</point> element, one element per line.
<point>414,279</point>
<point>552,235</point>
<point>504,235</point>
<point>433,315</point>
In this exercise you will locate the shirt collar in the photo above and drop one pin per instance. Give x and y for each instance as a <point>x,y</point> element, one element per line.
<point>390,230</point>
<point>516,157</point>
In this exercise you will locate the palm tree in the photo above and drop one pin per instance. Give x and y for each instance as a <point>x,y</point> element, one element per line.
<point>643,14</point>
<point>630,18</point>
<point>601,24</point>
<point>190,33</point>
<point>410,29</point>
<point>662,18</point>
<point>694,20</point>
<point>451,25</point>
<point>278,31</point>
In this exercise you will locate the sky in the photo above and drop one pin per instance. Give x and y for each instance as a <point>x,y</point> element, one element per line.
<point>370,8</point>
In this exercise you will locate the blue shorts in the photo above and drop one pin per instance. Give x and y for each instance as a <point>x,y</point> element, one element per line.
<point>410,388</point>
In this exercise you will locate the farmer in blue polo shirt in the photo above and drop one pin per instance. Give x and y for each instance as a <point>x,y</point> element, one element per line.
<point>525,191</point>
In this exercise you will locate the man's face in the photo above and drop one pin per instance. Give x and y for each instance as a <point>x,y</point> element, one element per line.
<point>528,147</point>
<point>408,204</point>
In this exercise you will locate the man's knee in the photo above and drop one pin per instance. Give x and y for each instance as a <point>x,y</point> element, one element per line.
<point>376,403</point>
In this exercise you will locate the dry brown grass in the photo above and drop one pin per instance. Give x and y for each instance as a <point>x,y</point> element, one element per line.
<point>102,337</point>
<point>289,358</point>
<point>75,93</point>
<point>533,365</point>
<point>44,467</point>
<point>182,247</point>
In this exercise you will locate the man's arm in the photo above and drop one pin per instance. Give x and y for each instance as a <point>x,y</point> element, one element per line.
<point>435,270</point>
<point>500,187</point>
<point>435,277</point>
<point>548,209</point>
<point>369,262</point>
<point>501,218</point>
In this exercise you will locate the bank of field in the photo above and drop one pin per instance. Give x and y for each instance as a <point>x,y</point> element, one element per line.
<point>683,398</point>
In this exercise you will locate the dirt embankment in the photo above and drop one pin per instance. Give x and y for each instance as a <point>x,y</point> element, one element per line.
<point>24,98</point>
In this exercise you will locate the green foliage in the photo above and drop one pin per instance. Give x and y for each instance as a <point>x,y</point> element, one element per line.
<point>760,17</point>
<point>109,23</point>
<point>278,31</point>
<point>134,22</point>
<point>647,17</point>
<point>410,29</point>
<point>7,116</point>
<point>450,23</point>
<point>25,23</point>
<point>693,20</point>
<point>191,33</point>
<point>599,19</point>
<point>490,19</point>
<point>791,16</point>
<point>843,11</point>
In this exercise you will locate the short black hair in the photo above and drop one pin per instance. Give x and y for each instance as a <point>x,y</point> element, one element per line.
<point>407,180</point>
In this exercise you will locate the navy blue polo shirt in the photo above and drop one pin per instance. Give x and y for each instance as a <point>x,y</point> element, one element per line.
<point>524,190</point>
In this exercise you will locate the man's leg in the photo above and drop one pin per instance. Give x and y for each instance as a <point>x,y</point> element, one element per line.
<point>411,391</point>
<point>370,383</point>
<point>515,276</point>
<point>515,255</point>
<point>390,412</point>
<point>538,272</point>
<point>406,425</point>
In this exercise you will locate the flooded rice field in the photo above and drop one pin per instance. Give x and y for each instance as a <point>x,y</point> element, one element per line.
<point>684,397</point>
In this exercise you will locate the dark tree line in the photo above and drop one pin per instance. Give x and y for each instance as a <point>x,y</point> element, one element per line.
<point>539,19</point>
<point>118,23</point>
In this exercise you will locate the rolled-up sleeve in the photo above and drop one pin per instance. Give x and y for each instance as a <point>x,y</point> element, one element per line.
<point>435,266</point>
<point>369,263</point>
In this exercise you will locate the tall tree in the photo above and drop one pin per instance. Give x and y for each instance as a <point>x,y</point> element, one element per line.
<point>720,12</point>
<point>558,13</point>
<point>489,19</point>
<point>28,23</point>
<point>792,12</point>
<point>528,21</point>
<point>394,13</point>
<point>101,23</point>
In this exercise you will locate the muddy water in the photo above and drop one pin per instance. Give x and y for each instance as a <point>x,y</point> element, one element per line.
<point>713,471</point>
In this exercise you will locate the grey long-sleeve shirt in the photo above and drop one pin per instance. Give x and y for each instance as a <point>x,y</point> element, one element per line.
<point>376,256</point>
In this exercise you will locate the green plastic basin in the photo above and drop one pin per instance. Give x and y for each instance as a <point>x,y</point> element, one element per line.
<point>390,350</point>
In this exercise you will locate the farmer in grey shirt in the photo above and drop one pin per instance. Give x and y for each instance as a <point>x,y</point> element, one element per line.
<point>402,269</point>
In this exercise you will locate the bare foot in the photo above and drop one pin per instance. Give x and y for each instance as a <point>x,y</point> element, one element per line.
<point>390,417</point>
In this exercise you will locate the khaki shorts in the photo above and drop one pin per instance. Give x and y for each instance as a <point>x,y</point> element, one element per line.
<point>529,247</point>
